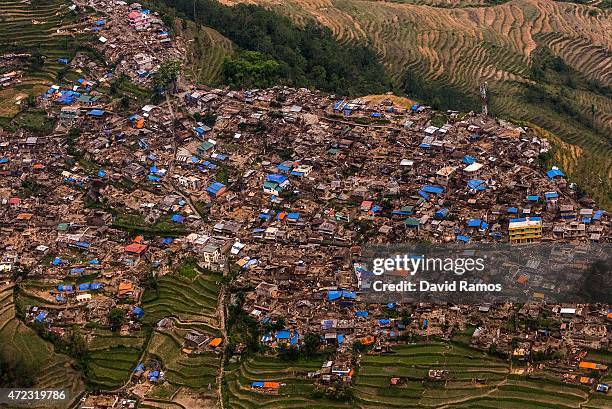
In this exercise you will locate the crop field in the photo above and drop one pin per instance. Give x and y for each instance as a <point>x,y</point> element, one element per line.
<point>296,393</point>
<point>460,44</point>
<point>190,300</point>
<point>19,341</point>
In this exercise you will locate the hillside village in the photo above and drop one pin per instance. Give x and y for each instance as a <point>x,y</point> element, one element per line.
<point>162,229</point>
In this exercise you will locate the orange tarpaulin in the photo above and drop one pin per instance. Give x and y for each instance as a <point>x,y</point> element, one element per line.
<point>271,385</point>
<point>592,365</point>
<point>215,342</point>
<point>367,340</point>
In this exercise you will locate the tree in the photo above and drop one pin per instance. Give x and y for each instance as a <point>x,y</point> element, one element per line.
<point>167,75</point>
<point>312,342</point>
<point>115,318</point>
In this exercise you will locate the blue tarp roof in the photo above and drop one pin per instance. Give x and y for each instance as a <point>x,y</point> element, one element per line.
<point>293,216</point>
<point>468,160</point>
<point>553,173</point>
<point>512,210</point>
<point>277,178</point>
<point>137,311</point>
<point>464,239</point>
<point>363,314</point>
<point>283,334</point>
<point>533,198</point>
<point>257,384</point>
<point>177,218</point>
<point>96,112</point>
<point>474,222</point>
<point>294,338</point>
<point>334,295</point>
<point>41,316</point>
<point>423,194</point>
<point>84,287</point>
<point>385,321</point>
<point>441,213</point>
<point>139,367</point>
<point>340,338</point>
<point>282,167</point>
<point>551,195</point>
<point>215,188</point>
<point>77,270</point>
<point>477,184</point>
<point>598,214</point>
<point>57,261</point>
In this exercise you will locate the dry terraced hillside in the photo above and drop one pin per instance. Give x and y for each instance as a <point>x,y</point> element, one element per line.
<point>461,43</point>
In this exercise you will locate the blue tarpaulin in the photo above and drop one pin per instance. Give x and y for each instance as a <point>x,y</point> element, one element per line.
<point>284,334</point>
<point>553,173</point>
<point>477,184</point>
<point>468,160</point>
<point>441,213</point>
<point>177,218</point>
<point>433,189</point>
<point>551,195</point>
<point>138,312</point>
<point>277,178</point>
<point>96,112</point>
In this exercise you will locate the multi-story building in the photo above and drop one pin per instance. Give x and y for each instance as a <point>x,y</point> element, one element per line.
<point>525,230</point>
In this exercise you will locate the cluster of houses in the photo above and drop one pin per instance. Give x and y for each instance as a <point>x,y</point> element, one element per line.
<point>282,190</point>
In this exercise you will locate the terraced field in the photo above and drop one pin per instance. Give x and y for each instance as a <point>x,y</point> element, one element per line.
<point>191,301</point>
<point>501,389</point>
<point>110,368</point>
<point>189,298</point>
<point>452,43</point>
<point>296,393</point>
<point>18,340</point>
<point>207,49</point>
<point>44,27</point>
<point>194,371</point>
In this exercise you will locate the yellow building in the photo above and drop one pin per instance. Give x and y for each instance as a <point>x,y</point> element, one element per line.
<point>525,230</point>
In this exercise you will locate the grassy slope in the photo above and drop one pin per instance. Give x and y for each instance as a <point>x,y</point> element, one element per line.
<point>460,45</point>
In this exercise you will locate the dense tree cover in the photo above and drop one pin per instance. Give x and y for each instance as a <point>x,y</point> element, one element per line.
<point>285,53</point>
